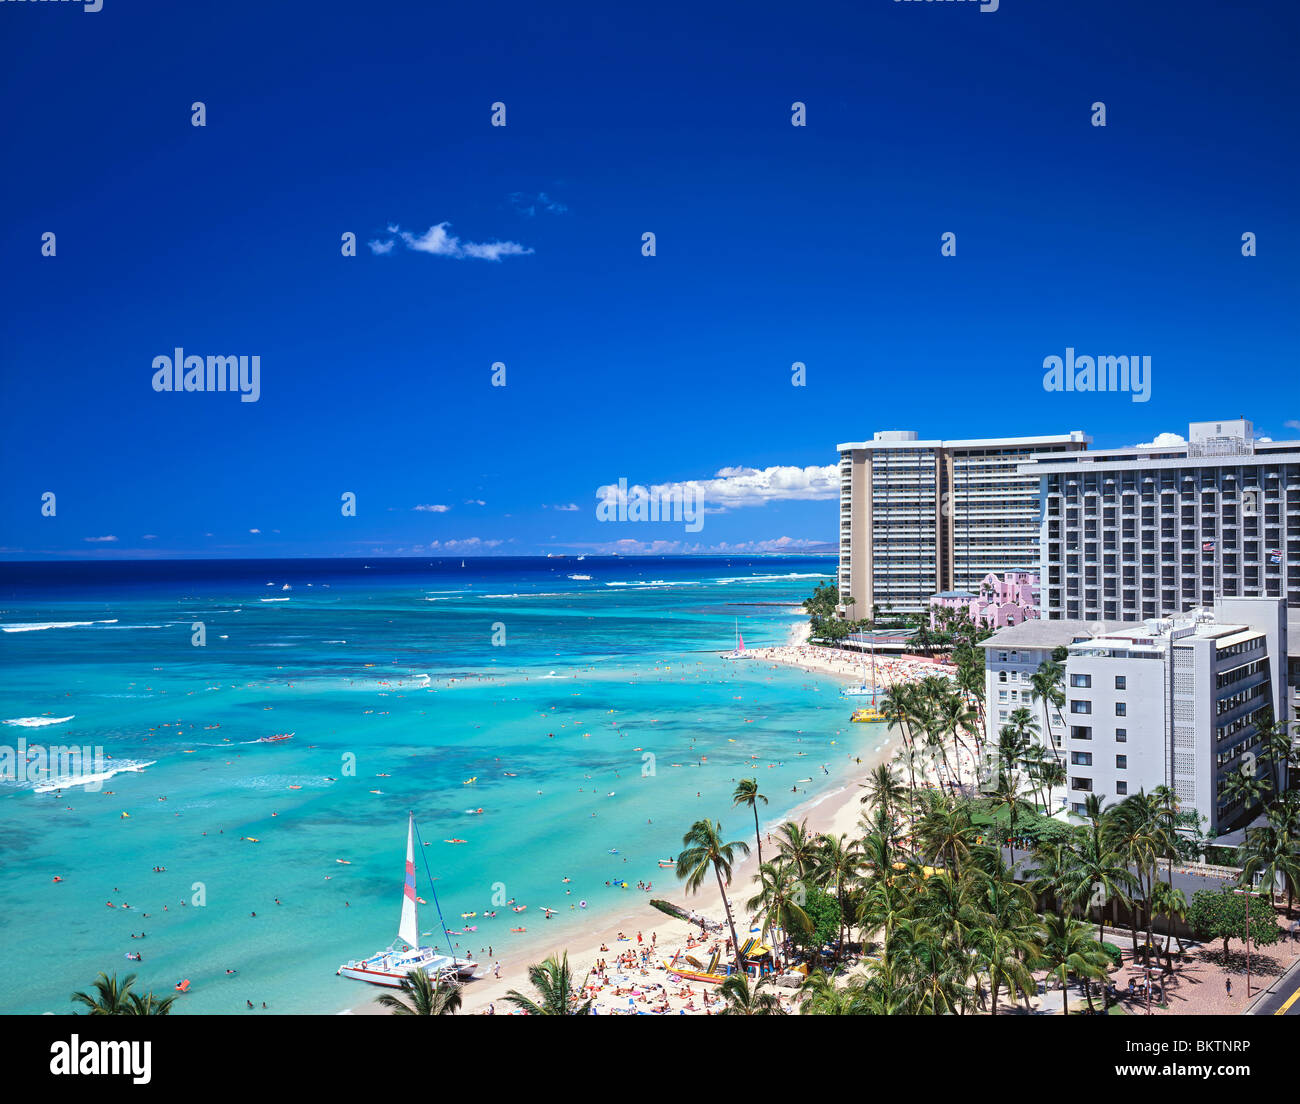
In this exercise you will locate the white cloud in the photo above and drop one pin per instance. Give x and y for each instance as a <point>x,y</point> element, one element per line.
<point>1292,424</point>
<point>739,486</point>
<point>455,545</point>
<point>440,243</point>
<point>381,248</point>
<point>255,530</point>
<point>150,536</point>
<point>99,540</point>
<point>629,547</point>
<point>1164,440</point>
<point>475,502</point>
<point>432,509</point>
<point>529,205</point>
<point>565,507</point>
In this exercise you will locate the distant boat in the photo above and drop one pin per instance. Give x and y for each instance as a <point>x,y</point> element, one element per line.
<point>581,578</point>
<point>583,556</point>
<point>390,966</point>
<point>869,715</point>
<point>462,563</point>
<point>739,653</point>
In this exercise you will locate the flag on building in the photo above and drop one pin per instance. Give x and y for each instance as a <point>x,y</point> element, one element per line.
<point>1275,555</point>
<point>1207,546</point>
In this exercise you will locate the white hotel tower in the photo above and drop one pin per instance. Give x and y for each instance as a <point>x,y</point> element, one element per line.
<point>919,517</point>
<point>1134,533</point>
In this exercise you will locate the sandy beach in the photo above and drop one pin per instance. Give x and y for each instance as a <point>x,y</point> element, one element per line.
<point>833,812</point>
<point>631,985</point>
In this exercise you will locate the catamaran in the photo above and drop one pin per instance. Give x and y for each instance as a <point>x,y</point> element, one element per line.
<point>869,715</point>
<point>390,966</point>
<point>739,653</point>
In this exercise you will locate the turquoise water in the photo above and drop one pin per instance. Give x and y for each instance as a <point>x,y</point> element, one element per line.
<point>389,680</point>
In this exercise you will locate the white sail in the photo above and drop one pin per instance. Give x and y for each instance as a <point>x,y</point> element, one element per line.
<point>409,929</point>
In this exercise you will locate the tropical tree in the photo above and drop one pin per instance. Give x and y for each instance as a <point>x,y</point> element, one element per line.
<point>427,996</point>
<point>838,861</point>
<point>110,997</point>
<point>779,901</point>
<point>703,851</point>
<point>747,794</point>
<point>744,999</point>
<point>556,995</point>
<point>1047,685</point>
<point>1071,952</point>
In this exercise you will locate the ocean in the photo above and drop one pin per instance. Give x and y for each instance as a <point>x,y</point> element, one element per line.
<point>564,718</point>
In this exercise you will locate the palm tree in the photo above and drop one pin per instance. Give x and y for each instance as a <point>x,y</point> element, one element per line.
<point>898,709</point>
<point>747,794</point>
<point>1246,785</point>
<point>884,789</point>
<point>1010,936</point>
<point>838,861</point>
<point>1171,904</point>
<point>428,997</point>
<point>554,984</point>
<point>1092,866</point>
<point>110,998</point>
<point>822,997</point>
<point>779,900</point>
<point>1052,774</point>
<point>1071,952</point>
<point>1047,684</point>
<point>1008,797</point>
<point>797,847</point>
<point>150,1005</point>
<point>1270,851</point>
<point>746,1000</point>
<point>703,850</point>
<point>1138,829</point>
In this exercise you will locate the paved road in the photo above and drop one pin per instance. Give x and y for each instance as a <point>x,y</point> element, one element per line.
<point>1284,1000</point>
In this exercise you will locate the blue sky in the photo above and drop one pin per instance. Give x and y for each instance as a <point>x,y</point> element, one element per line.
<point>775,244</point>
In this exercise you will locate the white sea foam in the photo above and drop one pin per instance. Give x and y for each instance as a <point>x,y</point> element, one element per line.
<point>776,578</point>
<point>66,782</point>
<point>38,722</point>
<point>36,626</point>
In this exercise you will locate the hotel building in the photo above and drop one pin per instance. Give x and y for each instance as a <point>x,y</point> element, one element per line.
<point>1146,532</point>
<point>1173,702</point>
<point>921,517</point>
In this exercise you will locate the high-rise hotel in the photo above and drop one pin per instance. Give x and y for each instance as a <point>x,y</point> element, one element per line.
<point>1134,533</point>
<point>919,517</point>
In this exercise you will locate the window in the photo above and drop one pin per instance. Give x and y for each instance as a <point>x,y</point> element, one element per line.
<point>1121,787</point>
<point>1121,682</point>
<point>1002,676</point>
<point>1002,695</point>
<point>1084,784</point>
<point>1081,680</point>
<point>1080,732</point>
<point>1081,758</point>
<point>1121,735</point>
<point>1078,808</point>
<point>1121,762</point>
<point>1077,706</point>
<point>1121,710</point>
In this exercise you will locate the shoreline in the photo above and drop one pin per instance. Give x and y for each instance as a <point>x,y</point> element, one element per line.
<point>832,811</point>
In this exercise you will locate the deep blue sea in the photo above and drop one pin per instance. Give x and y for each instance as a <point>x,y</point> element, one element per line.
<point>579,714</point>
